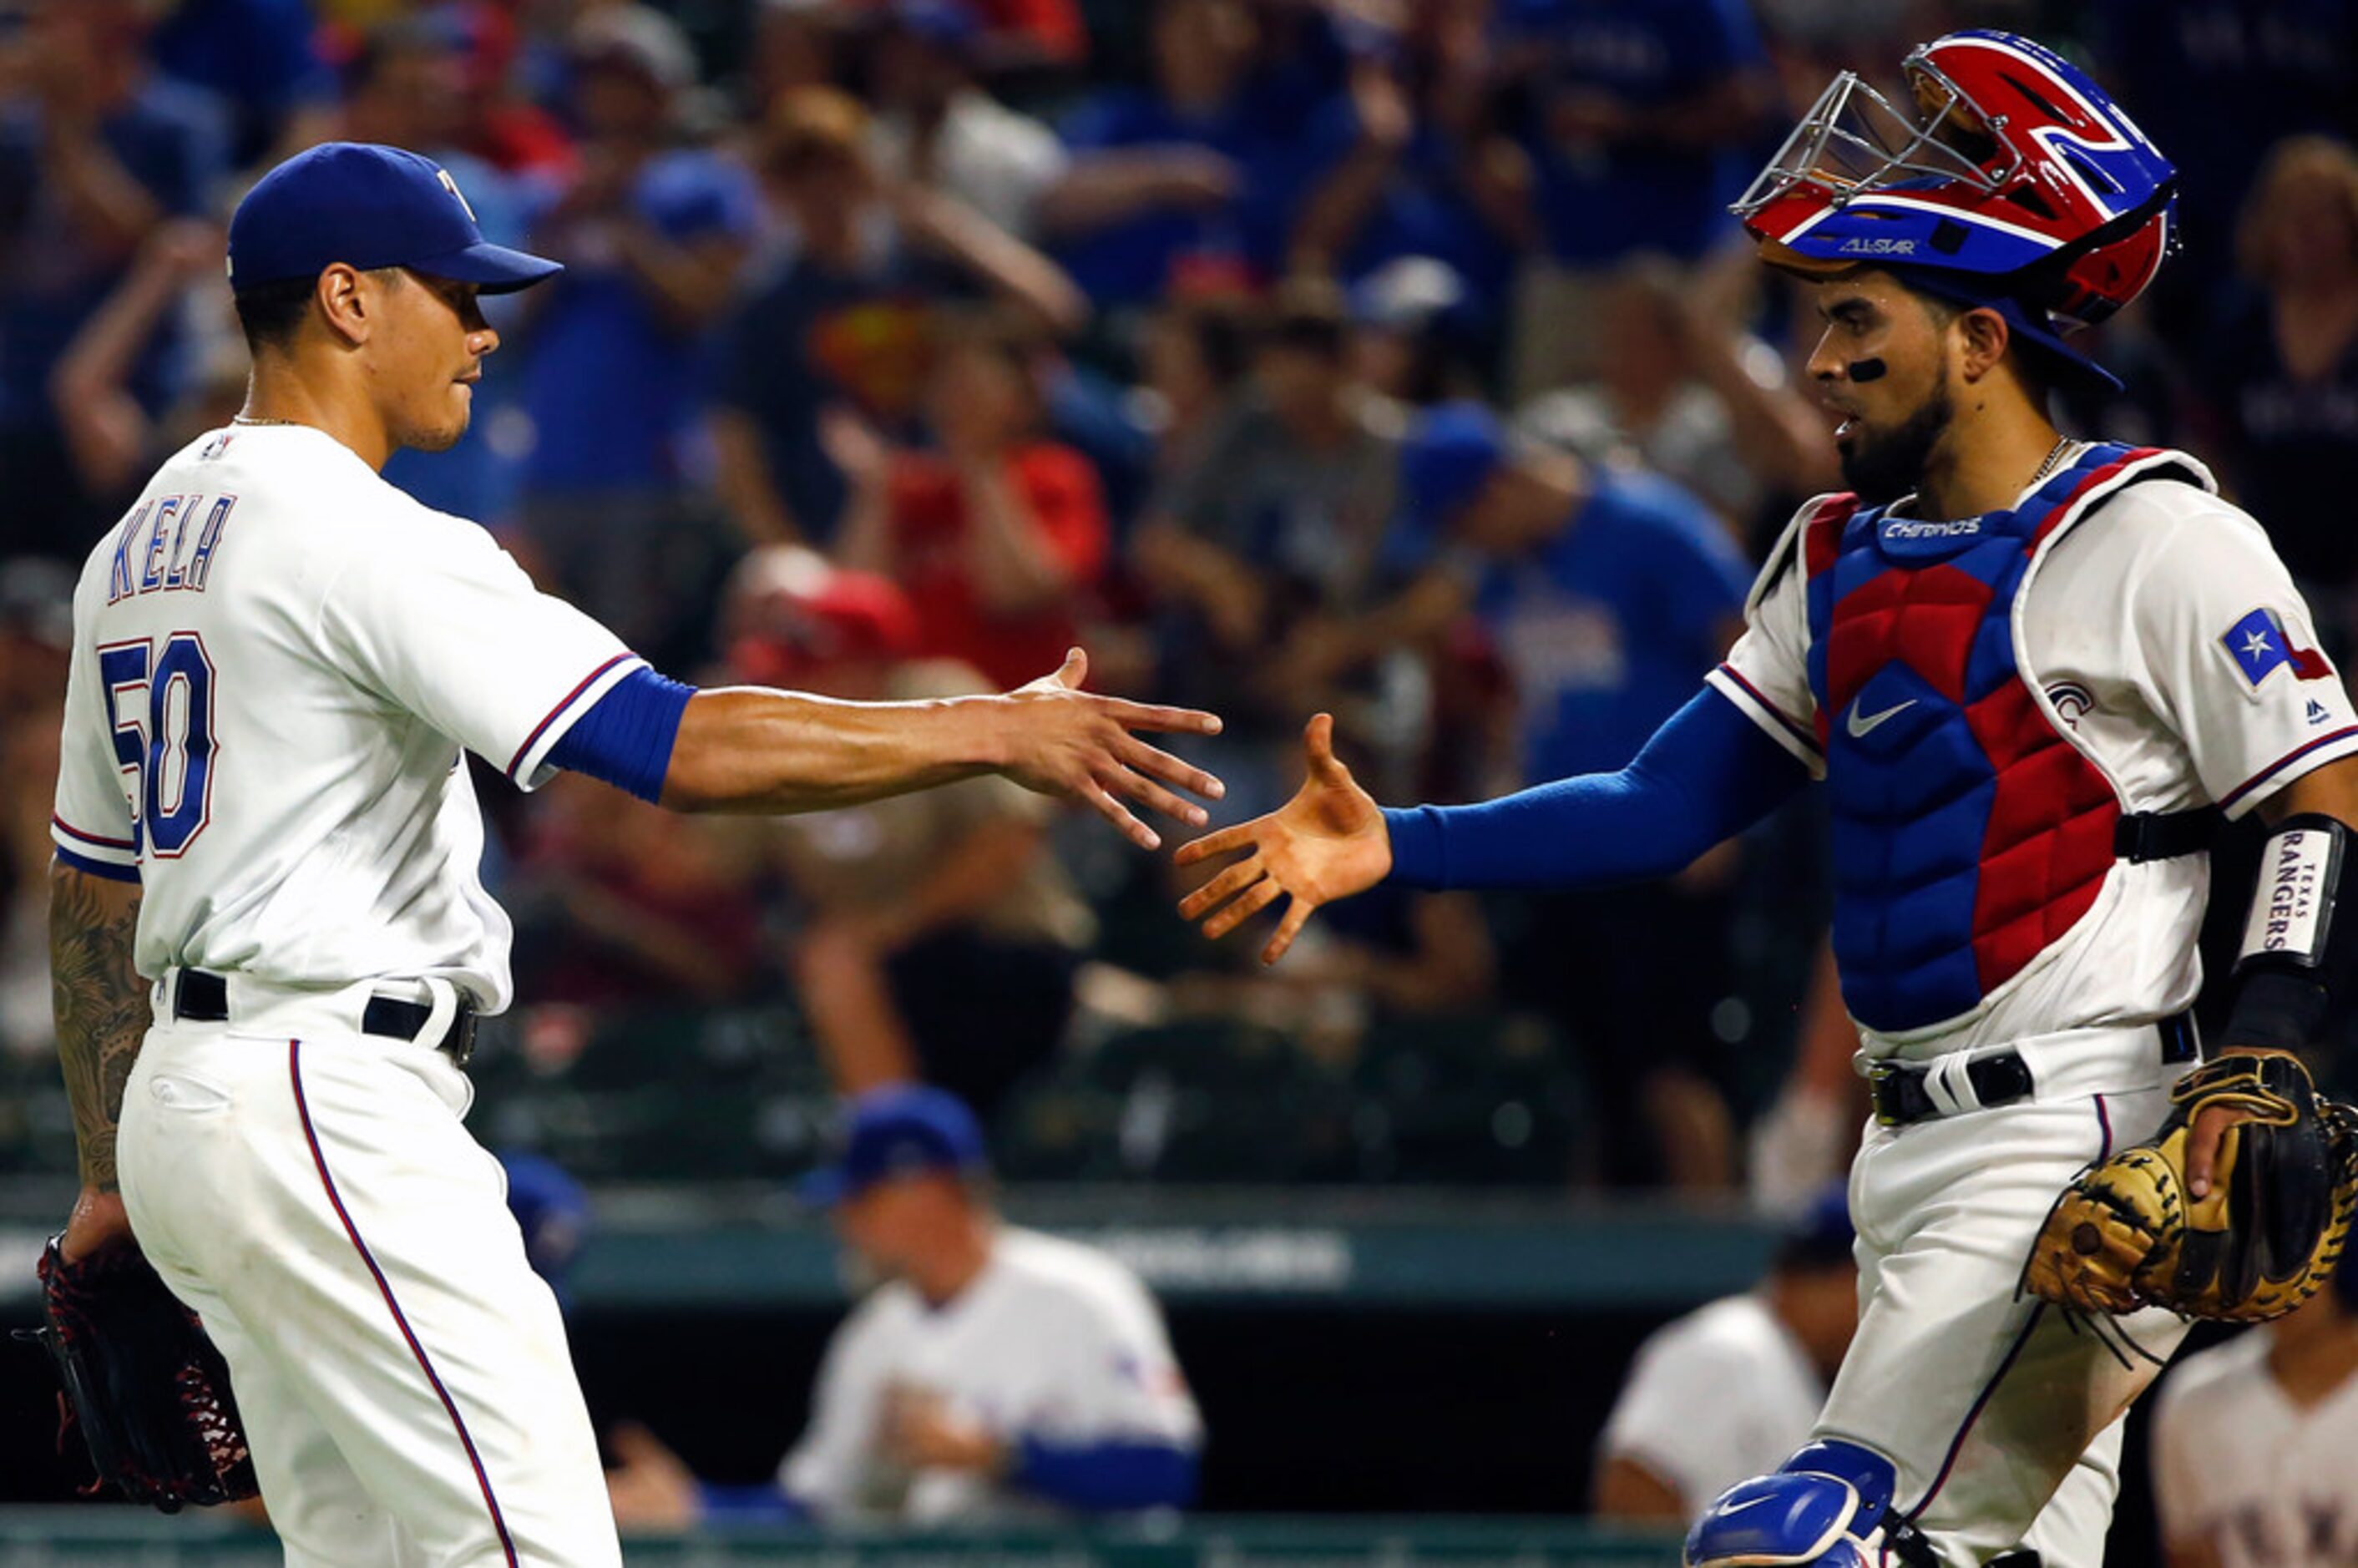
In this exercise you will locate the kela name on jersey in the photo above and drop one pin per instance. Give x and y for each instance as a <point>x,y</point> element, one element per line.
<point>162,548</point>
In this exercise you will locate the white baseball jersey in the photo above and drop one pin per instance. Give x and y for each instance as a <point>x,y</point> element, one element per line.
<point>2162,630</point>
<point>1734,1359</point>
<point>277,657</point>
<point>1054,1340</point>
<point>2236,1463</point>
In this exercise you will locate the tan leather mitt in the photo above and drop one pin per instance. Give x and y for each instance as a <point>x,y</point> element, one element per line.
<point>2124,1234</point>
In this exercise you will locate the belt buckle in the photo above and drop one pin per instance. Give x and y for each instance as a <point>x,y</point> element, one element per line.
<point>459,1043</point>
<point>1880,1077</point>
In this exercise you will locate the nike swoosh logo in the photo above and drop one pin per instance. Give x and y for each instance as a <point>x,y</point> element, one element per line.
<point>1861,724</point>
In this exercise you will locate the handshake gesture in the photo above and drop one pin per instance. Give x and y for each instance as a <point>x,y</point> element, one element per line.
<point>1328,842</point>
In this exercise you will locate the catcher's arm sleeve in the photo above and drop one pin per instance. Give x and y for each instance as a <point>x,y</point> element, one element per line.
<point>1708,773</point>
<point>102,1006</point>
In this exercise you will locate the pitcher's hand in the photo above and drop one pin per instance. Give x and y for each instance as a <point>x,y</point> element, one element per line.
<point>1060,740</point>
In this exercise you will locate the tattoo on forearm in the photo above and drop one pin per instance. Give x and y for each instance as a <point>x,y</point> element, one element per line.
<point>101,1005</point>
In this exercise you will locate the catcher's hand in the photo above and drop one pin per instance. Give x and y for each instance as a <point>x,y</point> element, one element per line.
<point>2131,1231</point>
<point>146,1387</point>
<point>1327,842</point>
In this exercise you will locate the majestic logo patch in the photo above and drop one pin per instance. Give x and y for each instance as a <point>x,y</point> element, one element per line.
<point>2260,642</point>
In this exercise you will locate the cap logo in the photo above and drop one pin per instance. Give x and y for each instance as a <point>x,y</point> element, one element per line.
<point>451,186</point>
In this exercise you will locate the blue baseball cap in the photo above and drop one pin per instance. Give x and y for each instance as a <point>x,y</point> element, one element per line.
<point>1449,455</point>
<point>368,207</point>
<point>902,1130</point>
<point>552,1211</point>
<point>1818,1236</point>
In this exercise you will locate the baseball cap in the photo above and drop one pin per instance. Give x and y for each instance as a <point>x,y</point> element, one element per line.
<point>1446,459</point>
<point>902,1130</point>
<point>1818,1236</point>
<point>368,207</point>
<point>945,24</point>
<point>551,1210</point>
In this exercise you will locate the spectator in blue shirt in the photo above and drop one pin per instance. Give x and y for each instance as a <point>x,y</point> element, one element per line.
<point>95,153</point>
<point>261,58</point>
<point>1639,115</point>
<point>1412,162</point>
<point>1213,173</point>
<point>616,365</point>
<point>1606,594</point>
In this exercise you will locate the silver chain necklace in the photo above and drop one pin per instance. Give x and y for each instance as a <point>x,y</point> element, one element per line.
<point>242,419</point>
<point>2047,465</point>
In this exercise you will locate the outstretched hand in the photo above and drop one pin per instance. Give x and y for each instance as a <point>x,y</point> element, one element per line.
<point>1328,842</point>
<point>1065,741</point>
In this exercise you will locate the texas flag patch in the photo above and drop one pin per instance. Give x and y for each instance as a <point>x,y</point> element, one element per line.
<point>2259,643</point>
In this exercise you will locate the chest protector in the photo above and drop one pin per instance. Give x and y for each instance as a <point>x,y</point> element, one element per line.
<point>1970,830</point>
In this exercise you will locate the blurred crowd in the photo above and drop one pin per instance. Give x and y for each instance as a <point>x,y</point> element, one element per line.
<point>1394,358</point>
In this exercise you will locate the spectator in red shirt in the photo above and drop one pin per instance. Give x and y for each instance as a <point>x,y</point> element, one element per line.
<point>996,534</point>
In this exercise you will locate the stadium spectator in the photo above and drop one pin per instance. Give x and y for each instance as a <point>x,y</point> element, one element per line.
<point>1414,329</point>
<point>1606,595</point>
<point>110,437</point>
<point>653,235</point>
<point>1275,528</point>
<point>1194,356</point>
<point>1681,391</point>
<point>845,322</point>
<point>619,904</point>
<point>2284,370</point>
<point>1638,115</point>
<point>1187,176</point>
<point>2255,1442</point>
<point>405,86</point>
<point>935,128</point>
<point>998,1376</point>
<point>1730,1390</point>
<point>996,534</point>
<point>1412,161</point>
<point>36,630</point>
<point>261,58</point>
<point>940,938</point>
<point>96,152</point>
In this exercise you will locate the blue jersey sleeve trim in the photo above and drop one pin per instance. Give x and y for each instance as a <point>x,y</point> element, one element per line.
<point>1707,773</point>
<point>107,869</point>
<point>626,737</point>
<point>747,1505</point>
<point>1106,1477</point>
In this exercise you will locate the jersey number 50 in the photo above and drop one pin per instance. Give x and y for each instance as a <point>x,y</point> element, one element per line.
<point>160,707</point>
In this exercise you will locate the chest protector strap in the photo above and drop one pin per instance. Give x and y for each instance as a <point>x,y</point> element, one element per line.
<point>1970,831</point>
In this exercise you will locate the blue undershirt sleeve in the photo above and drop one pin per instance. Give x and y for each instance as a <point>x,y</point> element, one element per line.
<point>1103,1476</point>
<point>1707,773</point>
<point>626,738</point>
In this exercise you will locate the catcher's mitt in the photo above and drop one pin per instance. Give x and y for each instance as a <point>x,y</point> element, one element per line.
<point>2125,1234</point>
<point>147,1386</point>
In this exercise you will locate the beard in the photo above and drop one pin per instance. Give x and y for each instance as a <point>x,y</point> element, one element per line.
<point>1882,469</point>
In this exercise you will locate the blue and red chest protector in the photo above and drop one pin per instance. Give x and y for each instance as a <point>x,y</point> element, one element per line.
<point>1970,832</point>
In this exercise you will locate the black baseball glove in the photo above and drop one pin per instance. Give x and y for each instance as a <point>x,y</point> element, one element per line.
<point>147,1388</point>
<point>2126,1233</point>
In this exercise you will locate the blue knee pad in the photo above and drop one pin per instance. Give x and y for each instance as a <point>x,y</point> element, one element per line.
<point>1830,1507</point>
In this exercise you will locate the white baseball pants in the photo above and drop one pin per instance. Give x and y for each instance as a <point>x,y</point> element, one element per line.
<point>310,1192</point>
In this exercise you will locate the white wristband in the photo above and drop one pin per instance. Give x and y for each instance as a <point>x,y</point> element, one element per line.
<point>2292,906</point>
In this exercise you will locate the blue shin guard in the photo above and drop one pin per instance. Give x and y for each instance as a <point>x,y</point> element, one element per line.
<point>1830,1507</point>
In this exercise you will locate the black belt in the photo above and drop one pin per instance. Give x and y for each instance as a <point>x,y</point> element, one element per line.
<point>1900,1098</point>
<point>2142,835</point>
<point>202,997</point>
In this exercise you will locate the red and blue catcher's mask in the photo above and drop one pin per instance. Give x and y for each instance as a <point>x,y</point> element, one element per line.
<point>2014,182</point>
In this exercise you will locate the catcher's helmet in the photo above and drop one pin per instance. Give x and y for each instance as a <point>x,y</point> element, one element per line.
<point>2017,181</point>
